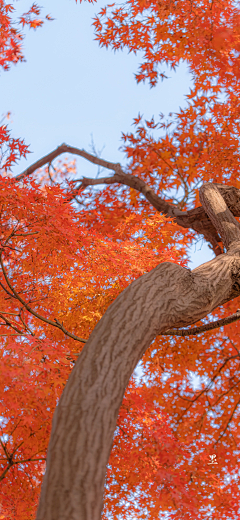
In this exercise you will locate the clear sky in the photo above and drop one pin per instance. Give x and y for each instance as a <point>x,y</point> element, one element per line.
<point>70,90</point>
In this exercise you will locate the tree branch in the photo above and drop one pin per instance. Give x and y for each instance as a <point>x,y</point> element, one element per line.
<point>55,323</point>
<point>195,219</point>
<point>8,323</point>
<point>203,328</point>
<point>64,148</point>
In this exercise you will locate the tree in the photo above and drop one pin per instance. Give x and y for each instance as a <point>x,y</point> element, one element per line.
<point>139,228</point>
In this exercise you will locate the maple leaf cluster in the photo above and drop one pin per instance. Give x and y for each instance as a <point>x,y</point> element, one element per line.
<point>11,35</point>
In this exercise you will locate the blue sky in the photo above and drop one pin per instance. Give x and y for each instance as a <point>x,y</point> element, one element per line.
<point>71,90</point>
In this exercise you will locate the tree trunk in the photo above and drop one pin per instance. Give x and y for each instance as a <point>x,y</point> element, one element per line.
<point>85,419</point>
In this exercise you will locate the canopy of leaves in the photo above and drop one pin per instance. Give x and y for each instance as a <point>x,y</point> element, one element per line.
<point>69,261</point>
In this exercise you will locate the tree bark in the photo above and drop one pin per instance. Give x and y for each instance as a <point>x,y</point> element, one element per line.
<point>169,296</point>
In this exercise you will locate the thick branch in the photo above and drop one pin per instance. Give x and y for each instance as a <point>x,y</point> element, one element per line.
<point>212,200</point>
<point>195,219</point>
<point>169,296</point>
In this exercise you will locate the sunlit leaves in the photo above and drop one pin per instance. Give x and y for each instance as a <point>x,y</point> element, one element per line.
<point>70,261</point>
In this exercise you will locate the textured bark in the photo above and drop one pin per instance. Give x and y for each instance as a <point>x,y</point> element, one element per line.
<point>85,419</point>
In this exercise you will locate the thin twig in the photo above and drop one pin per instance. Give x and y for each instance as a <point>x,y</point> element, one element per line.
<point>10,324</point>
<point>203,328</point>
<point>228,423</point>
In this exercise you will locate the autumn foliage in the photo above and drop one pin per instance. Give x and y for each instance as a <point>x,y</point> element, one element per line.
<point>68,258</point>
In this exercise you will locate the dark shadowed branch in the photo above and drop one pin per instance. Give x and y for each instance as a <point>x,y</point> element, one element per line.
<point>203,328</point>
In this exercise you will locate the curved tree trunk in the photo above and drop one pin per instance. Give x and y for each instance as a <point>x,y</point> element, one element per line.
<point>85,419</point>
